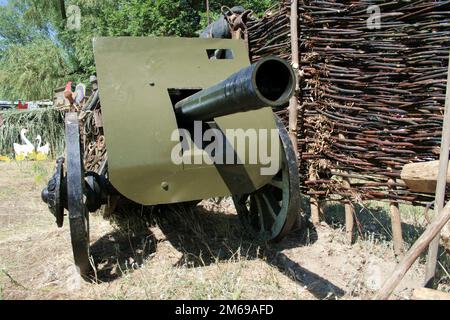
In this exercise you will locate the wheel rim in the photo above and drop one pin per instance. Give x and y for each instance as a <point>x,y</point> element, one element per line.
<point>78,213</point>
<point>269,213</point>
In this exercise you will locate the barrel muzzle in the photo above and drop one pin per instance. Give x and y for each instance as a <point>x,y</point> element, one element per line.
<point>268,82</point>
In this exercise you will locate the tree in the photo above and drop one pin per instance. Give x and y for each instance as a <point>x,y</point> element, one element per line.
<point>29,26</point>
<point>16,28</point>
<point>31,71</point>
<point>182,18</point>
<point>127,18</point>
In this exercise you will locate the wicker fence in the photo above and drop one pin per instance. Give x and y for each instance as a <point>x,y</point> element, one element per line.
<point>372,91</point>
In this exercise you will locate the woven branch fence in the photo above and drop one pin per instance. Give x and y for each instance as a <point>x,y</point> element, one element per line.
<point>372,94</point>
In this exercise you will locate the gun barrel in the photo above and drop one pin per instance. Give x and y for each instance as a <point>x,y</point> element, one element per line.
<point>269,82</point>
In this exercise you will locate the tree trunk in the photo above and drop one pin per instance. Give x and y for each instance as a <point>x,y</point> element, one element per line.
<point>62,8</point>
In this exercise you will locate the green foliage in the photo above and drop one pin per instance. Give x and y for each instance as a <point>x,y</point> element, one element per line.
<point>31,63</point>
<point>24,23</point>
<point>126,18</point>
<point>40,173</point>
<point>151,17</point>
<point>31,71</point>
<point>258,6</point>
<point>16,28</point>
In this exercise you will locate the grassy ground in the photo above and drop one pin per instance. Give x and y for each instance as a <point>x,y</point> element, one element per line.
<point>191,254</point>
<point>375,226</point>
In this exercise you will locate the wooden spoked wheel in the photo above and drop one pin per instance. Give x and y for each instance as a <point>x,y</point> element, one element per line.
<point>76,200</point>
<point>269,213</point>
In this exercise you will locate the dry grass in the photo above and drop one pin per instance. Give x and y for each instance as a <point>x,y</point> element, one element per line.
<point>180,253</point>
<point>376,232</point>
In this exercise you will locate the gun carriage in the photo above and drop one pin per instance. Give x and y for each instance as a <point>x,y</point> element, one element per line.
<point>153,87</point>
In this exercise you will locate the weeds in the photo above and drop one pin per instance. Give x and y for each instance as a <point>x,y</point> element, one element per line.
<point>46,122</point>
<point>40,173</point>
<point>189,251</point>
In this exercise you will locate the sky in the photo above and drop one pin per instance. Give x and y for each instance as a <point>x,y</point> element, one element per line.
<point>3,2</point>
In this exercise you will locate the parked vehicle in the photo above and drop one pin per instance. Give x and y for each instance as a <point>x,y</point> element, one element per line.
<point>5,105</point>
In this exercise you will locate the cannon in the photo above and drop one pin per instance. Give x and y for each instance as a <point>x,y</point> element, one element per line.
<point>158,96</point>
<point>269,82</point>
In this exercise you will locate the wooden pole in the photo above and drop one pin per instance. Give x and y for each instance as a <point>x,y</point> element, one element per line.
<point>419,246</point>
<point>349,221</point>
<point>440,186</point>
<point>314,203</point>
<point>315,211</point>
<point>208,13</point>
<point>348,207</point>
<point>293,103</point>
<point>349,215</point>
<point>62,9</point>
<point>396,224</point>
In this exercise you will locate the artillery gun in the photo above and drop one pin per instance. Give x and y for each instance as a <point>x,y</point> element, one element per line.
<point>152,89</point>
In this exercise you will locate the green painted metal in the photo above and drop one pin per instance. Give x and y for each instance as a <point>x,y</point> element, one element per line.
<point>134,75</point>
<point>268,82</point>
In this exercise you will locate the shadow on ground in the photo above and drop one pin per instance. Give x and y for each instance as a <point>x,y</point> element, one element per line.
<point>203,237</point>
<point>120,251</point>
<point>374,221</point>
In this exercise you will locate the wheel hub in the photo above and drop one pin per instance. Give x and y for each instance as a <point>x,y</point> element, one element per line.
<point>78,192</point>
<point>54,194</point>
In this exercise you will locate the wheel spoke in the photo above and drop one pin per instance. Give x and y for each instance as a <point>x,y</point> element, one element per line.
<point>253,211</point>
<point>260,212</point>
<point>274,207</point>
<point>269,207</point>
<point>277,183</point>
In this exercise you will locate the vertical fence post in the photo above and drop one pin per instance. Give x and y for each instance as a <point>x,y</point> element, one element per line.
<point>348,207</point>
<point>349,214</point>
<point>396,222</point>
<point>208,18</point>
<point>314,203</point>
<point>293,103</point>
<point>440,186</point>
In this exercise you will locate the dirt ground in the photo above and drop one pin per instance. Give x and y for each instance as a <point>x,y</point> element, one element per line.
<point>186,254</point>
